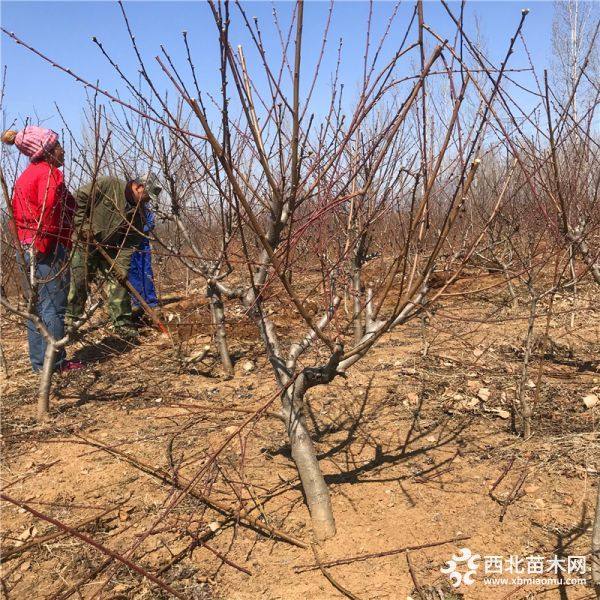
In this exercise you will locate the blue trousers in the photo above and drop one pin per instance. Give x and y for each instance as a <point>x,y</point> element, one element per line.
<point>52,273</point>
<point>141,276</point>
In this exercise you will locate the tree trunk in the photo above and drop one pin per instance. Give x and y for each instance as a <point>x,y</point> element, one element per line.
<point>305,457</point>
<point>596,546</point>
<point>43,407</point>
<point>509,285</point>
<point>525,408</point>
<point>218,317</point>
<point>588,259</point>
<point>3,361</point>
<point>359,329</point>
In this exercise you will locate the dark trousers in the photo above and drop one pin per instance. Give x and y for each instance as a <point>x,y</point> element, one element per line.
<point>52,275</point>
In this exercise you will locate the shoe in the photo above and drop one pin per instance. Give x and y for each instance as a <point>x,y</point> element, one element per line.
<point>71,365</point>
<point>128,334</point>
<point>145,320</point>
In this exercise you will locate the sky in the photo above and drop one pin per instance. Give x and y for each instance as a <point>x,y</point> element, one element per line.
<point>64,30</point>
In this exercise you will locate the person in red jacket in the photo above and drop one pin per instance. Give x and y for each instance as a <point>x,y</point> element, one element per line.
<point>43,212</point>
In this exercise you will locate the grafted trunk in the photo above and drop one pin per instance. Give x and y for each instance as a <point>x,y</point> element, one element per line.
<point>43,407</point>
<point>218,317</point>
<point>292,399</point>
<point>305,457</point>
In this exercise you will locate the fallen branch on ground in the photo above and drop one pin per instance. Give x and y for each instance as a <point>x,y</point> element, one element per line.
<point>95,544</point>
<point>351,559</point>
<point>184,484</point>
<point>330,578</point>
<point>11,553</point>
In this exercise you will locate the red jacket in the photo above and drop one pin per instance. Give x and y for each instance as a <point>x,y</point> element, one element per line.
<point>43,207</point>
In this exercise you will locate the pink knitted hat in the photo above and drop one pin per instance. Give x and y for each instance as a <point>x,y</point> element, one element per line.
<point>33,141</point>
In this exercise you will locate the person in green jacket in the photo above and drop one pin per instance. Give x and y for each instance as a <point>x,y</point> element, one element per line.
<point>108,226</point>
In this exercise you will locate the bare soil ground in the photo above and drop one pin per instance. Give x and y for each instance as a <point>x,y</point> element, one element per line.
<point>413,450</point>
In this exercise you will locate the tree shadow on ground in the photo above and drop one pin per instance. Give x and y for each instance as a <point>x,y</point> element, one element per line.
<point>99,396</point>
<point>348,454</point>
<point>102,351</point>
<point>395,456</point>
<point>564,542</point>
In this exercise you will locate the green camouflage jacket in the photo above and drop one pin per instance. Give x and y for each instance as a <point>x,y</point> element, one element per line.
<point>103,209</point>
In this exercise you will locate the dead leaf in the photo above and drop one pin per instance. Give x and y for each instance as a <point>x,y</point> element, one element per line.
<point>30,532</point>
<point>499,412</point>
<point>591,400</point>
<point>484,394</point>
<point>470,403</point>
